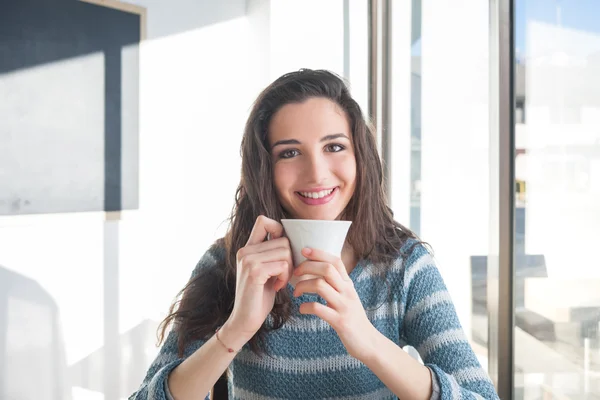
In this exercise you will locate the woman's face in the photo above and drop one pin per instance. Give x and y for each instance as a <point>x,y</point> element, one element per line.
<point>313,159</point>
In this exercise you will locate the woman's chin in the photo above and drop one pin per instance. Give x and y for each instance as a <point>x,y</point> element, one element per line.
<point>322,213</point>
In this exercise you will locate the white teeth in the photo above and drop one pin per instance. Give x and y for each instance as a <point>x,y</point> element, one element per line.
<point>316,195</point>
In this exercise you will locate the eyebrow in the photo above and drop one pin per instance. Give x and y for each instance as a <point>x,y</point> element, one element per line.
<point>323,139</point>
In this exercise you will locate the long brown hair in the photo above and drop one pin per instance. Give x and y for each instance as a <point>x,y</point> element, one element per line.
<point>207,300</point>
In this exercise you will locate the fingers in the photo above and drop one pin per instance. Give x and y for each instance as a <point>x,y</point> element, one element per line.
<point>255,266</point>
<point>262,227</point>
<point>320,287</point>
<point>276,254</point>
<point>263,247</point>
<point>320,255</point>
<point>324,269</point>
<point>324,312</point>
<point>258,252</point>
<point>268,270</point>
<point>260,273</point>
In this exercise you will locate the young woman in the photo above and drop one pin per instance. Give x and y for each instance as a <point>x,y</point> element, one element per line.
<point>308,153</point>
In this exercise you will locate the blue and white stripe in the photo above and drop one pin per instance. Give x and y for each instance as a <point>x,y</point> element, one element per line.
<point>306,358</point>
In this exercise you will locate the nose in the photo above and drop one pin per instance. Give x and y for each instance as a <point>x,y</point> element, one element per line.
<point>316,169</point>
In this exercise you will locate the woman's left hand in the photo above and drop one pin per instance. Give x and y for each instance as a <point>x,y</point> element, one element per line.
<point>344,310</point>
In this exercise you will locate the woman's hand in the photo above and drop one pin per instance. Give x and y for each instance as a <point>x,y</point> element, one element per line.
<point>344,310</point>
<point>263,268</point>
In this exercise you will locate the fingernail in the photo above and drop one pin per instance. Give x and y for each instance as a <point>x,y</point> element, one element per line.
<point>307,250</point>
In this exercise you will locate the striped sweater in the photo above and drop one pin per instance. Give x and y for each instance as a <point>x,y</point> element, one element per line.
<point>408,303</point>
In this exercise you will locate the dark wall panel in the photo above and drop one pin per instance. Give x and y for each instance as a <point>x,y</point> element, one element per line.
<point>69,107</point>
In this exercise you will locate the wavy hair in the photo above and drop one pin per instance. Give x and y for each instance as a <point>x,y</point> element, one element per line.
<point>207,300</point>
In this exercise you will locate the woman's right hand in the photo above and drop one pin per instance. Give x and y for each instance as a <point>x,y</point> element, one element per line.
<point>263,268</point>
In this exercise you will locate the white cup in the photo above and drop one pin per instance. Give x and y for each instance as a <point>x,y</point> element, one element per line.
<point>325,235</point>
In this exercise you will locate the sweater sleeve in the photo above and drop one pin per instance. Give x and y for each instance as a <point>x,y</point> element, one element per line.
<point>431,326</point>
<point>154,385</point>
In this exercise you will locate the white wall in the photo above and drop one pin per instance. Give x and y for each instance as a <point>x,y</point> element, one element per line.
<point>290,34</point>
<point>195,95</point>
<point>307,34</point>
<point>195,98</point>
<point>401,110</point>
<point>455,164</point>
<point>201,67</point>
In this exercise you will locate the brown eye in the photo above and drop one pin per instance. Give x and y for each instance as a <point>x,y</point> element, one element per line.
<point>289,153</point>
<point>334,148</point>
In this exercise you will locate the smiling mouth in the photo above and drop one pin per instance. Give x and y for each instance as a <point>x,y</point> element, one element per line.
<point>316,195</point>
<point>317,198</point>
